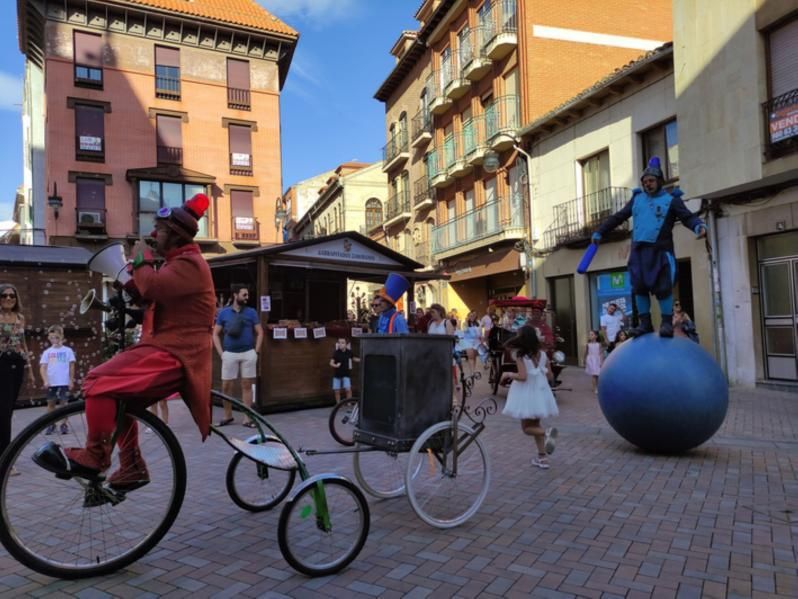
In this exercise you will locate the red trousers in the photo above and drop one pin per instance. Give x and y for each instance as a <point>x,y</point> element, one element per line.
<point>140,376</point>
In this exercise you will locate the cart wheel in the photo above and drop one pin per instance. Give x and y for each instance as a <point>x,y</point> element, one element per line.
<point>343,420</point>
<point>447,481</point>
<point>495,374</point>
<point>257,487</point>
<point>380,473</point>
<point>77,528</point>
<point>323,525</point>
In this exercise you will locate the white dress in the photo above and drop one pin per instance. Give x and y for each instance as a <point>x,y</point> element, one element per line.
<point>531,398</point>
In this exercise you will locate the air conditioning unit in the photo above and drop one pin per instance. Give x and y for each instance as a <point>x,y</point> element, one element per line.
<point>90,218</point>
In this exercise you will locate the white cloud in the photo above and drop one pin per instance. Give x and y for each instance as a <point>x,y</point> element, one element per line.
<point>10,92</point>
<point>314,12</point>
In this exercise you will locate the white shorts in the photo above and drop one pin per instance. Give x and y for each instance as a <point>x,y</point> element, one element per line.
<point>247,360</point>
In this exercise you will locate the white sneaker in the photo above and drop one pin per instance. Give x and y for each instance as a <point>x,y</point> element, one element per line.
<point>14,472</point>
<point>542,463</point>
<point>550,439</point>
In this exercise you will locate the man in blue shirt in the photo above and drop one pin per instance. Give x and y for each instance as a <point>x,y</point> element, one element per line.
<point>389,320</point>
<point>243,336</point>
<point>652,266</point>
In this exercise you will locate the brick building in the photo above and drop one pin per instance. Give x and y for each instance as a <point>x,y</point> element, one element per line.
<point>132,106</point>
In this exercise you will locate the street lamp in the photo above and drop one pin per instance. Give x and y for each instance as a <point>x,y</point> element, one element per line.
<point>55,201</point>
<point>490,164</point>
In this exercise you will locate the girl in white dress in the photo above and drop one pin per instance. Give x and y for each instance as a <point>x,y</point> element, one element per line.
<point>594,358</point>
<point>530,398</point>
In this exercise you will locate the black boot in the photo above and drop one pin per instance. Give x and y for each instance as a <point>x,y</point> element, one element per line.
<point>666,328</point>
<point>644,326</point>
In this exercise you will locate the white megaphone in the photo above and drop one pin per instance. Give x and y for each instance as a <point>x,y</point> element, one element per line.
<point>90,301</point>
<point>111,262</point>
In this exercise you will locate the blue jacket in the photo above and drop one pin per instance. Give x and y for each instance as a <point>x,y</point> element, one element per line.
<point>399,323</point>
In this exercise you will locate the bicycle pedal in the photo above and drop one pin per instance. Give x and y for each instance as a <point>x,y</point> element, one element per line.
<point>97,495</point>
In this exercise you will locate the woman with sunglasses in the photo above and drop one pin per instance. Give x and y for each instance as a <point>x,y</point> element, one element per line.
<point>13,358</point>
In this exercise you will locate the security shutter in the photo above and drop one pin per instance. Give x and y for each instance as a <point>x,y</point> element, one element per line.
<point>167,57</point>
<point>237,73</point>
<point>169,133</point>
<point>784,59</point>
<point>240,146</point>
<point>88,49</point>
<point>89,127</point>
<point>241,203</point>
<point>91,194</point>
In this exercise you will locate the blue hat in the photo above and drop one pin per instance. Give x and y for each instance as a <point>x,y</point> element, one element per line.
<point>395,287</point>
<point>654,169</point>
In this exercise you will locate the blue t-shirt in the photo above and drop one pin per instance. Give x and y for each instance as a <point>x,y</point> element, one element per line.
<point>246,340</point>
<point>399,323</point>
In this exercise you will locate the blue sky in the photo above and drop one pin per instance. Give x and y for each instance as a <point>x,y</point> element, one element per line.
<point>329,114</point>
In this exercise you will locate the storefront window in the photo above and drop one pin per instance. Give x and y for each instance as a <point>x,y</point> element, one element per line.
<point>607,288</point>
<point>157,194</point>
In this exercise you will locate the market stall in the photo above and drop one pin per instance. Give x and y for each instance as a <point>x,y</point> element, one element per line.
<point>301,292</point>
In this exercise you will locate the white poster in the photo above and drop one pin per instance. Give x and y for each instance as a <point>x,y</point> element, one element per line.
<point>319,332</point>
<point>300,333</point>
<point>356,332</point>
<point>265,303</point>
<point>281,333</point>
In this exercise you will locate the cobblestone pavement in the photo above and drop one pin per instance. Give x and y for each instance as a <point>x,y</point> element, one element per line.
<point>606,521</point>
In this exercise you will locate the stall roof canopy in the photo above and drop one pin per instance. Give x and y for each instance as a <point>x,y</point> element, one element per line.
<point>348,251</point>
<point>48,255</point>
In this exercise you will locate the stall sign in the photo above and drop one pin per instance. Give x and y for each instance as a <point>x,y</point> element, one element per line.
<point>783,123</point>
<point>319,332</point>
<point>344,250</point>
<point>245,223</point>
<point>280,333</point>
<point>300,333</point>
<point>265,303</point>
<point>356,332</point>
<point>240,159</point>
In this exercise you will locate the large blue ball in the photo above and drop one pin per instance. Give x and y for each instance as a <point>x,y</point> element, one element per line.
<point>665,395</point>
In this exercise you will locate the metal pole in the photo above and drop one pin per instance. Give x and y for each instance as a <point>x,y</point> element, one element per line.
<point>533,280</point>
<point>718,332</point>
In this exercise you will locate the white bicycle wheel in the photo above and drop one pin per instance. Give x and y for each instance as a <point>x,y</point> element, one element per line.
<point>446,487</point>
<point>381,473</point>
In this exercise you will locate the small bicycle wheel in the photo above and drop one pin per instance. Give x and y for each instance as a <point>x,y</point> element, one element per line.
<point>381,473</point>
<point>323,525</point>
<point>447,475</point>
<point>343,420</point>
<point>255,486</point>
<point>76,528</point>
<point>495,373</point>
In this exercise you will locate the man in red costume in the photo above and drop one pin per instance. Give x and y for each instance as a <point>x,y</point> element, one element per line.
<point>173,356</point>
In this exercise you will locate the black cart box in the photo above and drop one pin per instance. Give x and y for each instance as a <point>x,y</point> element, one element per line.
<point>406,387</point>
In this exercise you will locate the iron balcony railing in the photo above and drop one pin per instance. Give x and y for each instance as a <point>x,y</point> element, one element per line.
<point>167,87</point>
<point>240,164</point>
<point>169,155</point>
<point>245,228</point>
<point>90,220</point>
<point>422,191</point>
<point>501,116</point>
<point>398,203</point>
<point>238,98</point>
<point>575,220</point>
<point>473,46</point>
<point>450,149</point>
<point>498,216</point>
<point>421,123</point>
<point>781,124</point>
<point>395,146</point>
<point>502,18</point>
<point>474,135</point>
<point>434,164</point>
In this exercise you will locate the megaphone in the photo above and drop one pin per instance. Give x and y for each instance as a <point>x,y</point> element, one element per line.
<point>111,262</point>
<point>90,301</point>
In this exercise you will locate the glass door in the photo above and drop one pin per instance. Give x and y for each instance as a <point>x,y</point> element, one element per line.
<point>491,206</point>
<point>779,291</point>
<point>470,215</point>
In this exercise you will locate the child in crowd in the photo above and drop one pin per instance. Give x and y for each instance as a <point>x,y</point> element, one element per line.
<point>342,362</point>
<point>57,367</point>
<point>530,398</point>
<point>594,358</point>
<point>622,336</point>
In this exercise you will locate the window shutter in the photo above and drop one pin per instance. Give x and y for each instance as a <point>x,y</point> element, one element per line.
<point>167,57</point>
<point>88,49</point>
<point>240,139</point>
<point>237,73</point>
<point>784,59</point>
<point>169,134</point>
<point>241,203</point>
<point>91,194</point>
<point>89,121</point>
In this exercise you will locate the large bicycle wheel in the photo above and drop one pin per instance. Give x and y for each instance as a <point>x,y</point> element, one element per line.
<point>343,420</point>
<point>255,486</point>
<point>380,473</point>
<point>323,525</point>
<point>76,528</point>
<point>448,475</point>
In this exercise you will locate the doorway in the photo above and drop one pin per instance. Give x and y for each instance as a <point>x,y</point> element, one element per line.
<point>561,290</point>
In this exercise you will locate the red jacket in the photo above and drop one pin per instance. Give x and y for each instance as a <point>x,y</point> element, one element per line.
<point>179,319</point>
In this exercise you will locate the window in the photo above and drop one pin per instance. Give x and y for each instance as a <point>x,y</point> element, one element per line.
<point>89,133</point>
<point>90,205</point>
<point>154,195</point>
<point>782,132</point>
<point>596,192</point>
<point>373,213</point>
<point>87,48</point>
<point>170,139</point>
<point>245,225</point>
<point>167,73</point>
<point>240,149</point>
<point>238,95</point>
<point>663,141</point>
<point>464,46</point>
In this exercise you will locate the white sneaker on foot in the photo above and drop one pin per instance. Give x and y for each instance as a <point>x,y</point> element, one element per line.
<point>541,462</point>
<point>550,439</point>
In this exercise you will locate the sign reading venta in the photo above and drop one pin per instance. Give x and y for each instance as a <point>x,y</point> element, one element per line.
<point>784,123</point>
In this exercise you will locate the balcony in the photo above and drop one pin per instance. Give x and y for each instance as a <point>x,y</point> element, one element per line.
<point>423,194</point>
<point>90,221</point>
<point>421,129</point>
<point>238,99</point>
<point>395,152</point>
<point>456,164</point>
<point>501,35</point>
<point>473,57</point>
<point>781,122</point>
<point>167,87</point>
<point>169,155</point>
<point>246,230</point>
<point>455,84</point>
<point>499,220</point>
<point>436,170</point>
<point>240,164</point>
<point>397,209</point>
<point>475,142</point>
<point>438,101</point>
<point>89,148</point>
<point>576,220</point>
<point>502,116</point>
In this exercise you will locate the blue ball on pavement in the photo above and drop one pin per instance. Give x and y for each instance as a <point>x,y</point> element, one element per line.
<point>664,395</point>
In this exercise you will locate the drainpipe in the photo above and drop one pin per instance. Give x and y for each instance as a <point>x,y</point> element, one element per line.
<point>530,253</point>
<point>718,332</point>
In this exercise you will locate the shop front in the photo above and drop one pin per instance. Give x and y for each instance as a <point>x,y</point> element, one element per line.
<point>302,293</point>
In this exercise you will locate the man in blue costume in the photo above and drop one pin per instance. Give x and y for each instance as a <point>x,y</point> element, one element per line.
<point>390,321</point>
<point>652,266</point>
